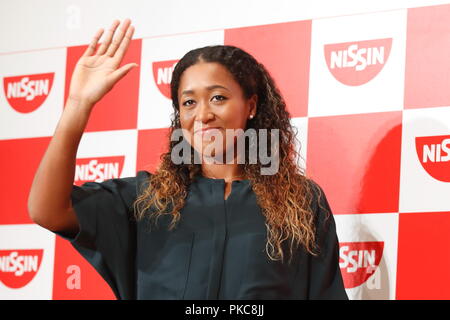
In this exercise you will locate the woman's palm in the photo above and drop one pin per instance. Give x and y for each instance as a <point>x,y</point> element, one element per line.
<point>95,74</point>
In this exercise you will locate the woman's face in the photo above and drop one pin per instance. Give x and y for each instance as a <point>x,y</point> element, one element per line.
<point>209,97</point>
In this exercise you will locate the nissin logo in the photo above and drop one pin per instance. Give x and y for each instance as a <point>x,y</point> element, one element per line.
<point>358,261</point>
<point>26,93</point>
<point>434,155</point>
<point>162,74</point>
<point>18,267</point>
<point>356,63</point>
<point>98,169</point>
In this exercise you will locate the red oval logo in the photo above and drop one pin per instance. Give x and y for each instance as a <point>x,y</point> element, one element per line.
<point>19,267</point>
<point>162,74</point>
<point>434,155</point>
<point>356,63</point>
<point>26,93</point>
<point>358,261</point>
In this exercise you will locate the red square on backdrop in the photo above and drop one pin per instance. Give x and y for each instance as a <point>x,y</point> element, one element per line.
<point>119,107</point>
<point>356,160</point>
<point>18,165</point>
<point>74,278</point>
<point>423,261</point>
<point>151,144</point>
<point>284,49</point>
<point>427,73</point>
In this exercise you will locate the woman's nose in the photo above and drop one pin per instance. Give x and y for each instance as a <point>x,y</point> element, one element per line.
<point>204,113</point>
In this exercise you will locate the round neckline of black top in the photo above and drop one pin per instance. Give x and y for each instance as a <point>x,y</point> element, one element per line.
<point>214,180</point>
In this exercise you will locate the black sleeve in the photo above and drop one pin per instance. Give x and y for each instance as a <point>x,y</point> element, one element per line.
<point>107,233</point>
<point>325,275</point>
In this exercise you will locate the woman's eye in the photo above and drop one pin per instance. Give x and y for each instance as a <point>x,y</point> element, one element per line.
<point>186,103</point>
<point>221,98</point>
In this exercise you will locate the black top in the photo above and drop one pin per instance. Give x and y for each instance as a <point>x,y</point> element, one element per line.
<point>217,250</point>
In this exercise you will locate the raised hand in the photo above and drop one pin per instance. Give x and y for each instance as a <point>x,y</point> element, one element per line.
<point>96,72</point>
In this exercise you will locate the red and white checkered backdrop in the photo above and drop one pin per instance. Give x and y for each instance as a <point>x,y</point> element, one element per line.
<point>369,93</point>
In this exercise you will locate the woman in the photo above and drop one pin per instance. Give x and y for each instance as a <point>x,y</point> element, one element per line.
<point>208,230</point>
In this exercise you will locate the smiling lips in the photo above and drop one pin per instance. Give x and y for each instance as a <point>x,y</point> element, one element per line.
<point>203,131</point>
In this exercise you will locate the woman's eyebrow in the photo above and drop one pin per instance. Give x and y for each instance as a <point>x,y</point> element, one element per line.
<point>209,88</point>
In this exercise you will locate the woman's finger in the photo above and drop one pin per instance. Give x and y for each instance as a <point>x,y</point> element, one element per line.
<point>121,72</point>
<point>104,46</point>
<point>118,38</point>
<point>124,45</point>
<point>93,45</point>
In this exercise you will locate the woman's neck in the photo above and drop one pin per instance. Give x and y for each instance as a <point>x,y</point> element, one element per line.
<point>228,172</point>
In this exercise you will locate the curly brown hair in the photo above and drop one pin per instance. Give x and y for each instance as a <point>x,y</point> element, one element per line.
<point>284,197</point>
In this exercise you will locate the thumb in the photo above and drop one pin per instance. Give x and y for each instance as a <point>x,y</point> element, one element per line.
<point>121,72</point>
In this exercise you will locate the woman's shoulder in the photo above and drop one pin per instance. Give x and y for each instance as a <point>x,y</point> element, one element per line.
<point>140,179</point>
<point>143,176</point>
<point>319,204</point>
<point>317,192</point>
<point>135,184</point>
<point>125,188</point>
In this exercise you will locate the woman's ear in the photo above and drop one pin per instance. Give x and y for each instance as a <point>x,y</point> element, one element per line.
<point>253,103</point>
